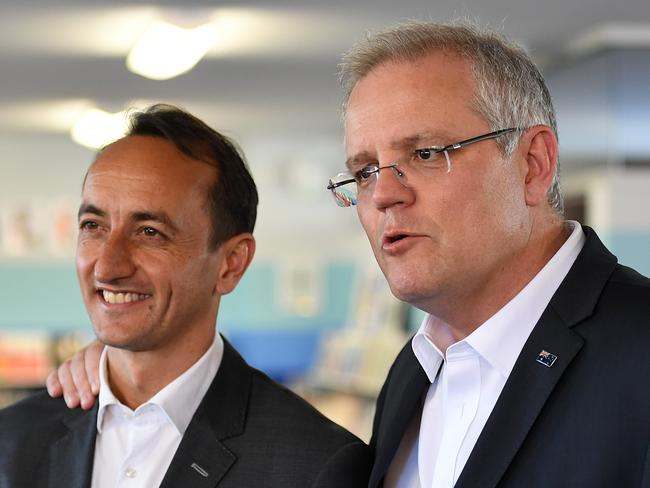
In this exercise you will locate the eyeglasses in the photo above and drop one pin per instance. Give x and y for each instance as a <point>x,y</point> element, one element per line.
<point>346,187</point>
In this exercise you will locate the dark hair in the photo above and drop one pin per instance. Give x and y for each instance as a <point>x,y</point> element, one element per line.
<point>232,199</point>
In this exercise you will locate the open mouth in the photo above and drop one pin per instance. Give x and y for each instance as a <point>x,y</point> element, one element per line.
<point>122,297</point>
<point>395,238</point>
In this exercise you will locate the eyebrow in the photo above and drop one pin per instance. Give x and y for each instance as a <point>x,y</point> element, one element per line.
<point>362,156</point>
<point>160,217</point>
<point>89,208</point>
<point>138,216</point>
<point>405,142</point>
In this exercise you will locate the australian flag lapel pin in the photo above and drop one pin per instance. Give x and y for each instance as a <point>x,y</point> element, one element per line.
<point>546,358</point>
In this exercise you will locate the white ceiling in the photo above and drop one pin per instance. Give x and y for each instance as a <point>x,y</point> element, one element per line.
<point>270,82</point>
<point>274,69</point>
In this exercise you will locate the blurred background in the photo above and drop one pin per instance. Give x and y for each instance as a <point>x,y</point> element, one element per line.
<point>313,310</point>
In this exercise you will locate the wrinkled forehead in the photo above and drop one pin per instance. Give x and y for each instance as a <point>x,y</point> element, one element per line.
<point>439,59</point>
<point>399,101</point>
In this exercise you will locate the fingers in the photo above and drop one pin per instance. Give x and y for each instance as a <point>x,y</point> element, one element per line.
<point>91,363</point>
<point>70,394</point>
<point>77,379</point>
<point>80,380</point>
<point>54,388</point>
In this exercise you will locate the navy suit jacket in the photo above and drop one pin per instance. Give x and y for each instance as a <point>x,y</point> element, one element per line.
<point>585,421</point>
<point>248,431</point>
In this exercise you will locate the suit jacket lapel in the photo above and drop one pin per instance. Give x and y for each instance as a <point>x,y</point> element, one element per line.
<point>72,455</point>
<point>404,395</point>
<point>521,401</point>
<point>531,383</point>
<point>202,460</point>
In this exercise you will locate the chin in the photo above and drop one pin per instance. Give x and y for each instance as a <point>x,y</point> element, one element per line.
<point>406,292</point>
<point>127,344</point>
<point>119,336</point>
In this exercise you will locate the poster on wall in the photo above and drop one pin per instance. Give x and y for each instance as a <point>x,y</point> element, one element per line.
<point>62,236</point>
<point>38,227</point>
<point>20,231</point>
<point>300,285</point>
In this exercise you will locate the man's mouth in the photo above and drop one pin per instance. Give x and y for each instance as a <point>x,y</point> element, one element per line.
<point>394,238</point>
<point>122,297</point>
<point>398,241</point>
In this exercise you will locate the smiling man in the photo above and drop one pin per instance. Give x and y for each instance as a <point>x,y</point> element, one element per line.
<point>165,230</point>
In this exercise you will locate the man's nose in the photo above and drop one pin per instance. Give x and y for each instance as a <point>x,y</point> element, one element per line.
<point>391,187</point>
<point>115,260</point>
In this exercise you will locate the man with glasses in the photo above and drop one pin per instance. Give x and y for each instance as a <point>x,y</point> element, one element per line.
<point>530,367</point>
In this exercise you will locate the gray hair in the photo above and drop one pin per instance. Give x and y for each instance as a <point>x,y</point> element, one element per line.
<point>510,90</point>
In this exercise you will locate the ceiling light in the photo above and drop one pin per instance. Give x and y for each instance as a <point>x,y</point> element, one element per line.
<point>611,35</point>
<point>96,128</point>
<point>166,50</point>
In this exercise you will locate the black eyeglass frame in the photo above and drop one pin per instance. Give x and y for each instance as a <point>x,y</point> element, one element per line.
<point>434,150</point>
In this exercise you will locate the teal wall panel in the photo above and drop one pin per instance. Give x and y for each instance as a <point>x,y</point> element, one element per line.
<point>40,296</point>
<point>632,248</point>
<point>256,301</point>
<point>36,295</point>
<point>46,296</point>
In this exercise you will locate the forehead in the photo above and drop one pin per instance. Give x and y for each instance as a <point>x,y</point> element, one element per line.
<point>147,168</point>
<point>402,99</point>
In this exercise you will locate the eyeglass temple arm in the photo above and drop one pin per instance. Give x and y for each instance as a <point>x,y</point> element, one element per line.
<point>491,135</point>
<point>393,166</point>
<point>331,186</point>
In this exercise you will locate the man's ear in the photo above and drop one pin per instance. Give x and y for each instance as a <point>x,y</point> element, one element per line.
<point>236,254</point>
<point>539,150</point>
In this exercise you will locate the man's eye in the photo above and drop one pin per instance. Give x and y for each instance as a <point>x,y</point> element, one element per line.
<point>150,232</point>
<point>366,172</point>
<point>425,153</point>
<point>88,225</point>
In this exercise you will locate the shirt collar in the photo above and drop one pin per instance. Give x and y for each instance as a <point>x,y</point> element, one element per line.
<point>499,340</point>
<point>426,352</point>
<point>180,398</point>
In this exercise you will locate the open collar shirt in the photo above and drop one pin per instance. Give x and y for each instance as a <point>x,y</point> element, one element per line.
<point>468,378</point>
<point>134,448</point>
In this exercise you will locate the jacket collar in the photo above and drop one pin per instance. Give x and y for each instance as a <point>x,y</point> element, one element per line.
<point>72,454</point>
<point>514,413</point>
<point>202,459</point>
<point>402,401</point>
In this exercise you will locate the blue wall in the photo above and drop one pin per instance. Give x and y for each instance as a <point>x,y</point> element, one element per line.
<point>46,295</point>
<point>38,295</point>
<point>631,248</point>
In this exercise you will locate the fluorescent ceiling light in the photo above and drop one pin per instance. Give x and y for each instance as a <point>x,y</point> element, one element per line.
<point>166,50</point>
<point>96,128</point>
<point>44,115</point>
<point>611,35</point>
<point>74,30</point>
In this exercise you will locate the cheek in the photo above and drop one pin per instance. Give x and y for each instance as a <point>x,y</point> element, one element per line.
<point>462,220</point>
<point>368,221</point>
<point>194,276</point>
<point>506,201</point>
<point>85,260</point>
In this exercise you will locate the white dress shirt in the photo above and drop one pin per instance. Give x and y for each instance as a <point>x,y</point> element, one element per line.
<point>467,379</point>
<point>135,448</point>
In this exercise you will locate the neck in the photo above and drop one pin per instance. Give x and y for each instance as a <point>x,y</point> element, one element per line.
<point>464,313</point>
<point>136,376</point>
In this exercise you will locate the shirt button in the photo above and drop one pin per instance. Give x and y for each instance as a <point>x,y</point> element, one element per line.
<point>130,473</point>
